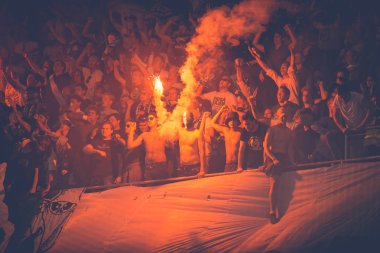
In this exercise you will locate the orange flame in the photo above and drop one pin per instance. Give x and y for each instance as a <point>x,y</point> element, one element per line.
<point>158,88</point>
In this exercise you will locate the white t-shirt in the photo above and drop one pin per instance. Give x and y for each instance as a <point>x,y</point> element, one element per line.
<point>218,99</point>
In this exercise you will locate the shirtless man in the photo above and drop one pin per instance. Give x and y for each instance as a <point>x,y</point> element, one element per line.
<point>191,147</point>
<point>154,144</point>
<point>231,134</point>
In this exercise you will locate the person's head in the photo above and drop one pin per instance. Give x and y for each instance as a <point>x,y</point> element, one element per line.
<point>280,115</point>
<point>284,69</point>
<point>75,103</point>
<point>307,95</point>
<point>283,94</point>
<point>158,63</point>
<point>298,58</point>
<point>232,120</point>
<point>114,119</point>
<point>277,39</point>
<point>107,130</point>
<point>137,77</point>
<point>67,92</point>
<point>224,83</point>
<point>127,128</point>
<point>145,96</point>
<point>341,76</point>
<point>188,120</point>
<point>268,114</point>
<point>78,77</point>
<point>93,62</point>
<point>41,115</point>
<point>142,121</point>
<point>154,43</point>
<point>241,101</point>
<point>66,126</point>
<point>107,100</point>
<point>31,81</point>
<point>249,121</point>
<point>92,114</point>
<point>111,38</point>
<point>46,65</point>
<point>370,81</point>
<point>59,67</point>
<point>80,90</point>
<point>152,120</point>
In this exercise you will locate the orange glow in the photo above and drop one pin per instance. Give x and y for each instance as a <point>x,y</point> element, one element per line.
<point>158,88</point>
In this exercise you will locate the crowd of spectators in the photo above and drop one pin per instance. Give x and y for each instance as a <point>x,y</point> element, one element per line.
<point>76,101</point>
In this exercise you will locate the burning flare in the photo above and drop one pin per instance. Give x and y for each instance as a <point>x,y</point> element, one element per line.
<point>158,88</point>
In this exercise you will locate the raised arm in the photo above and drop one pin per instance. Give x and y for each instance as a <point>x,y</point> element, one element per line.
<point>117,74</point>
<point>290,32</point>
<point>140,64</point>
<point>58,36</point>
<point>239,78</point>
<point>83,54</point>
<point>86,29</point>
<point>256,39</point>
<point>117,26</point>
<point>35,68</point>
<point>215,125</point>
<point>132,142</point>
<point>270,72</point>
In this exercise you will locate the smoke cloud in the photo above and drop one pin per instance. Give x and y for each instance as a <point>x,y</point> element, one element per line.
<point>218,27</point>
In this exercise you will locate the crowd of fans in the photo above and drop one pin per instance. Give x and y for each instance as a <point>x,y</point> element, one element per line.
<point>76,102</point>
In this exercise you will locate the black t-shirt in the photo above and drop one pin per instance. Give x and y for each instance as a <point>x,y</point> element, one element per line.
<point>254,146</point>
<point>102,166</point>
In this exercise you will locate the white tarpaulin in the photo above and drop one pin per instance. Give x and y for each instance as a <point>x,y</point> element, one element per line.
<point>228,213</point>
<point>55,210</point>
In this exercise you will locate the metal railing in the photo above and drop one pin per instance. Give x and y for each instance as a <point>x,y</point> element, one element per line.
<point>303,166</point>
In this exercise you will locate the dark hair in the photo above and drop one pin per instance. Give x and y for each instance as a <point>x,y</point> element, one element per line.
<point>76,97</point>
<point>92,108</point>
<point>116,115</point>
<point>232,116</point>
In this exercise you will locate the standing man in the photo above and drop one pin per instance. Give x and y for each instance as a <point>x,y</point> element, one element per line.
<point>276,145</point>
<point>232,136</point>
<point>154,143</point>
<point>107,161</point>
<point>221,97</point>
<point>251,143</point>
<point>191,147</point>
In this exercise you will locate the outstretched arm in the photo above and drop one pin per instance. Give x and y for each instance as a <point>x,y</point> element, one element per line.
<point>35,68</point>
<point>256,39</point>
<point>270,72</point>
<point>216,126</point>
